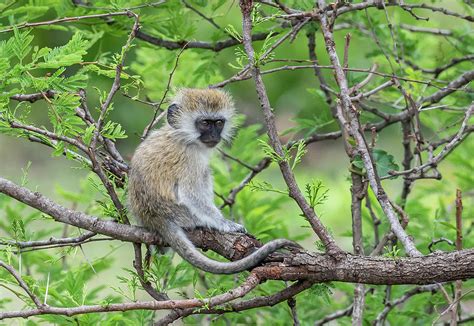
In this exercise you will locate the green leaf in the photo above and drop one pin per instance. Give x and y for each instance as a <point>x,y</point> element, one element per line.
<point>20,43</point>
<point>88,133</point>
<point>384,162</point>
<point>66,55</point>
<point>316,193</point>
<point>265,186</point>
<point>447,224</point>
<point>113,130</point>
<point>300,152</point>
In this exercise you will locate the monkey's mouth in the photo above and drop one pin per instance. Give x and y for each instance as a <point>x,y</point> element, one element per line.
<point>210,143</point>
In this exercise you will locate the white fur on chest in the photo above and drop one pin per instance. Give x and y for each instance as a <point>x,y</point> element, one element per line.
<point>196,187</point>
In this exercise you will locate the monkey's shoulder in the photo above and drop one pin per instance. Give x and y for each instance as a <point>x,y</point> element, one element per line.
<point>159,151</point>
<point>158,165</point>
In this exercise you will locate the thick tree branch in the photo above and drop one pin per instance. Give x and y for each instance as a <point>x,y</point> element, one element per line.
<point>296,265</point>
<point>33,97</point>
<point>79,219</point>
<point>177,45</point>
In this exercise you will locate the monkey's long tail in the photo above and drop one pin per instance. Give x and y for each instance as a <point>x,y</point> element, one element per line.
<point>179,241</point>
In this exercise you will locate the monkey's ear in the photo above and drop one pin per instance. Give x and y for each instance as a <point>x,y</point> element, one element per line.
<point>172,115</point>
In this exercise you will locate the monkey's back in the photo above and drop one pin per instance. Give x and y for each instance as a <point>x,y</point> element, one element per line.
<point>158,165</point>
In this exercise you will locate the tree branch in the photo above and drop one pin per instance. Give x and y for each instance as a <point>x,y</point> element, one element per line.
<point>177,45</point>
<point>251,282</point>
<point>347,115</point>
<point>391,305</point>
<point>33,97</point>
<point>462,80</point>
<point>288,176</point>
<point>22,284</point>
<point>295,265</point>
<point>66,20</point>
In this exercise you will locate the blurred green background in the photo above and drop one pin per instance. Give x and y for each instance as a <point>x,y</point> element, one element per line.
<point>289,91</point>
<point>292,95</point>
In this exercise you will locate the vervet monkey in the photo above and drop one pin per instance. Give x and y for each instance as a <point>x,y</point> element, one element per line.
<point>171,186</point>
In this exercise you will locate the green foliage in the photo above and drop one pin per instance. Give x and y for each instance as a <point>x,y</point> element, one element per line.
<point>299,149</point>
<point>316,193</point>
<point>164,278</point>
<point>308,126</point>
<point>393,252</point>
<point>384,163</point>
<point>66,58</point>
<point>255,207</point>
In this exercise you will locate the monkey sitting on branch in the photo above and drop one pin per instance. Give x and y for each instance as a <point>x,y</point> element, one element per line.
<point>171,186</point>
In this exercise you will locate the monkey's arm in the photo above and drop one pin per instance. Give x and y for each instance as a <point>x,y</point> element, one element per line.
<point>208,215</point>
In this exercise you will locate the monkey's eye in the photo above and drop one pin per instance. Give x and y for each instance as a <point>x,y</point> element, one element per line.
<point>205,123</point>
<point>219,123</point>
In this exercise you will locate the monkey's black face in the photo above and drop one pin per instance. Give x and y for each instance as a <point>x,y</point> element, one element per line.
<point>210,130</point>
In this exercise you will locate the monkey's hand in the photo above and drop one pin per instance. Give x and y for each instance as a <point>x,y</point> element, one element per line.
<point>239,228</point>
<point>235,227</point>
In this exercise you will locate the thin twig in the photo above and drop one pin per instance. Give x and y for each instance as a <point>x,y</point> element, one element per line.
<point>391,305</point>
<point>75,142</point>
<point>50,241</point>
<point>340,313</point>
<point>450,146</point>
<point>208,19</point>
<point>187,44</point>
<point>250,283</point>
<point>434,31</point>
<point>33,97</point>
<point>364,82</point>
<point>157,108</point>
<point>294,191</point>
<point>235,159</point>
<point>230,200</point>
<point>354,127</point>
<point>317,70</point>
<point>454,85</point>
<point>261,301</point>
<point>294,314</point>
<point>438,70</point>
<point>244,75</point>
<point>458,283</point>
<point>146,284</point>
<point>66,20</point>
<point>116,83</point>
<point>23,285</point>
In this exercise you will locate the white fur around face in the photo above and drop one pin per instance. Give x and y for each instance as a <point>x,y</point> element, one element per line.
<point>187,123</point>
